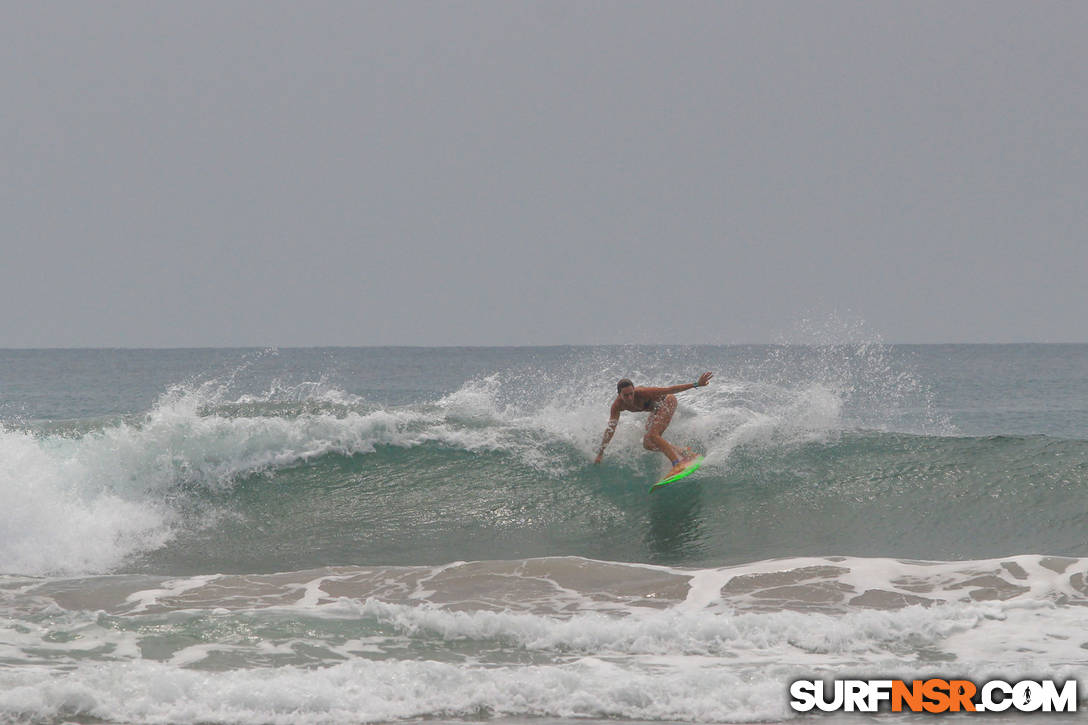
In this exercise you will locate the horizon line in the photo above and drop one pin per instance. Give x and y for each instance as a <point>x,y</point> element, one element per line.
<point>531,346</point>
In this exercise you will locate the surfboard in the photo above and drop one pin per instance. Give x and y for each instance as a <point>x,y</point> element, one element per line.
<point>691,467</point>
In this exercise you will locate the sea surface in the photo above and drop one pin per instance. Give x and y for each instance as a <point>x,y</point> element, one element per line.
<point>388,534</point>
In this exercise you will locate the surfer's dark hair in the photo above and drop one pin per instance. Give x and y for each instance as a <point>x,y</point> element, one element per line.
<point>623,383</point>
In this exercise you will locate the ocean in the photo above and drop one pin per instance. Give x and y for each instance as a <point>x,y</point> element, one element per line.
<point>361,535</point>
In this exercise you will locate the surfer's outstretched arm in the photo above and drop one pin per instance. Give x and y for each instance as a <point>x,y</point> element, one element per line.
<point>673,389</point>
<point>613,421</point>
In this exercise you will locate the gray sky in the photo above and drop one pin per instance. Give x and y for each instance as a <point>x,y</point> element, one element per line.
<point>307,173</point>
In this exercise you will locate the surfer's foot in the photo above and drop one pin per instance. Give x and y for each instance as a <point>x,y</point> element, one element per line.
<point>681,464</point>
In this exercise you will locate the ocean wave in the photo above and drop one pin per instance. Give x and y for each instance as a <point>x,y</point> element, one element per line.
<point>90,497</point>
<point>85,499</point>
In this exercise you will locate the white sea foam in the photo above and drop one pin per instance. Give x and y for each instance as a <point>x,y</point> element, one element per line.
<point>706,666</point>
<point>812,638</point>
<point>60,516</point>
<point>286,648</point>
<point>374,691</point>
<point>362,690</point>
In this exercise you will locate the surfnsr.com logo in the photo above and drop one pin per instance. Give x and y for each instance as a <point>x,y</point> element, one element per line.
<point>933,695</point>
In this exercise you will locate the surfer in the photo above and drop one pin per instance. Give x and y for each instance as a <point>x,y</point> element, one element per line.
<point>660,403</point>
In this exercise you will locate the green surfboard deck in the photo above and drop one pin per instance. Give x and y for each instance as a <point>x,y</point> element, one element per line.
<point>691,468</point>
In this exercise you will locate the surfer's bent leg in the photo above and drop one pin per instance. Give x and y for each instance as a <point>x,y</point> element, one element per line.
<point>657,423</point>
